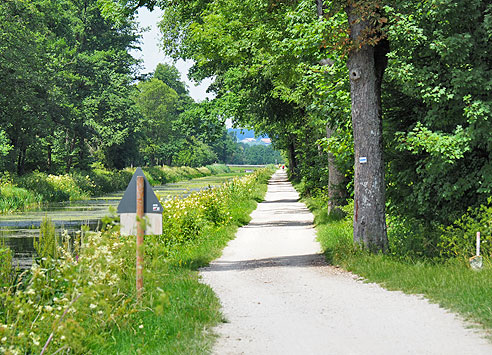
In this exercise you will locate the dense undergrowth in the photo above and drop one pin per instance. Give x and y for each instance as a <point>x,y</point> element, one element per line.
<point>445,278</point>
<point>30,190</point>
<point>80,297</point>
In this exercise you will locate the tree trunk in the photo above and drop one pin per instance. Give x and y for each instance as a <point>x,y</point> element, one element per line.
<point>70,155</point>
<point>292,158</point>
<point>49,157</point>
<point>336,189</point>
<point>20,160</point>
<point>319,7</point>
<point>366,67</point>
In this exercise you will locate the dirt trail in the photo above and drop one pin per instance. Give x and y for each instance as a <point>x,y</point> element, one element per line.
<point>280,297</point>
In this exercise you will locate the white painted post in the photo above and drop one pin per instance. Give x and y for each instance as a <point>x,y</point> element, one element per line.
<point>478,243</point>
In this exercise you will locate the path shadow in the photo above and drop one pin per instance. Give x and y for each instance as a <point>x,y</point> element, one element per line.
<point>287,200</point>
<point>311,260</point>
<point>278,224</point>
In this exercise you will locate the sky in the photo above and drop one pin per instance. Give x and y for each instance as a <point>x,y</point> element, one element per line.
<point>153,55</point>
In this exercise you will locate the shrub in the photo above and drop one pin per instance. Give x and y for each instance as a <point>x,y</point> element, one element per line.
<point>458,240</point>
<point>409,237</point>
<point>14,198</point>
<point>46,244</point>
<point>54,188</point>
<point>218,169</point>
<point>6,267</point>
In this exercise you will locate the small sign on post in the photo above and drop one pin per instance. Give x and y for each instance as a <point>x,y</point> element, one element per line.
<point>139,203</point>
<point>127,209</point>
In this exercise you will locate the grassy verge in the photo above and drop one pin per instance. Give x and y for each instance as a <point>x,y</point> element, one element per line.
<point>449,283</point>
<point>27,191</point>
<point>82,297</point>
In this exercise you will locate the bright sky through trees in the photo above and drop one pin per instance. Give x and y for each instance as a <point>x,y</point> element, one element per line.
<point>152,55</point>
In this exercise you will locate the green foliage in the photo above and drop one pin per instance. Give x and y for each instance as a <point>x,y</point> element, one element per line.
<point>33,189</point>
<point>437,96</point>
<point>5,147</point>
<point>85,299</point>
<point>195,153</point>
<point>410,237</point>
<point>459,239</point>
<point>218,169</point>
<point>256,155</point>
<point>443,146</point>
<point>51,187</point>
<point>66,96</point>
<point>46,244</point>
<point>7,271</point>
<point>450,283</point>
<point>14,198</point>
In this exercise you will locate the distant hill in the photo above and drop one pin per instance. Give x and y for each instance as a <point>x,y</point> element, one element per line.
<point>247,136</point>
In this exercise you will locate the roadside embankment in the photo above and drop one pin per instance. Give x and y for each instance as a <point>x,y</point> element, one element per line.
<point>448,282</point>
<point>80,297</point>
<point>31,190</point>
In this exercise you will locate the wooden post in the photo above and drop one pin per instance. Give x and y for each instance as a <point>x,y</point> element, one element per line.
<point>140,234</point>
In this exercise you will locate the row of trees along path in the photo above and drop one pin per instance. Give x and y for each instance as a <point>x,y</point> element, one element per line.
<point>280,297</point>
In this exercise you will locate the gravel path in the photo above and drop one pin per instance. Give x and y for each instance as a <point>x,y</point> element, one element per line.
<point>280,297</point>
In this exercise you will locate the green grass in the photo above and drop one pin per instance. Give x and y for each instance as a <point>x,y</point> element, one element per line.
<point>449,283</point>
<point>94,279</point>
<point>182,320</point>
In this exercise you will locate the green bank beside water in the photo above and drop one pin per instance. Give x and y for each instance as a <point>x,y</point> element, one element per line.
<point>448,282</point>
<point>31,190</point>
<point>81,299</point>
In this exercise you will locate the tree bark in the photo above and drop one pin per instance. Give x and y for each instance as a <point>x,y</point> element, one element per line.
<point>319,7</point>
<point>70,155</point>
<point>336,190</point>
<point>49,157</point>
<point>366,67</point>
<point>292,158</point>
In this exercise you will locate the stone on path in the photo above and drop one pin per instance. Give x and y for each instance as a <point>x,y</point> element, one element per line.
<point>280,297</point>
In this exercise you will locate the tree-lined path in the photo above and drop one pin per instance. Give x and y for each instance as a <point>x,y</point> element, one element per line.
<point>280,297</point>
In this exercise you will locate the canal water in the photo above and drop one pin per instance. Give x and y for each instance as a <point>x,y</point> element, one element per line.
<point>18,230</point>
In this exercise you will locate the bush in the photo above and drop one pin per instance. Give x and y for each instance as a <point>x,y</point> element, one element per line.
<point>54,188</point>
<point>106,181</point>
<point>14,198</point>
<point>46,244</point>
<point>6,267</point>
<point>218,169</point>
<point>409,237</point>
<point>459,239</point>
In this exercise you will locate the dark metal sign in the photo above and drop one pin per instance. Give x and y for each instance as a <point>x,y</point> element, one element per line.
<point>128,203</point>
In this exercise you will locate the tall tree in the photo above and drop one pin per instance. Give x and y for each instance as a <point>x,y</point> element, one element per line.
<point>367,62</point>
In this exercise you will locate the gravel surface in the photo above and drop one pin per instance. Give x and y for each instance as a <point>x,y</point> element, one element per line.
<point>280,297</point>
